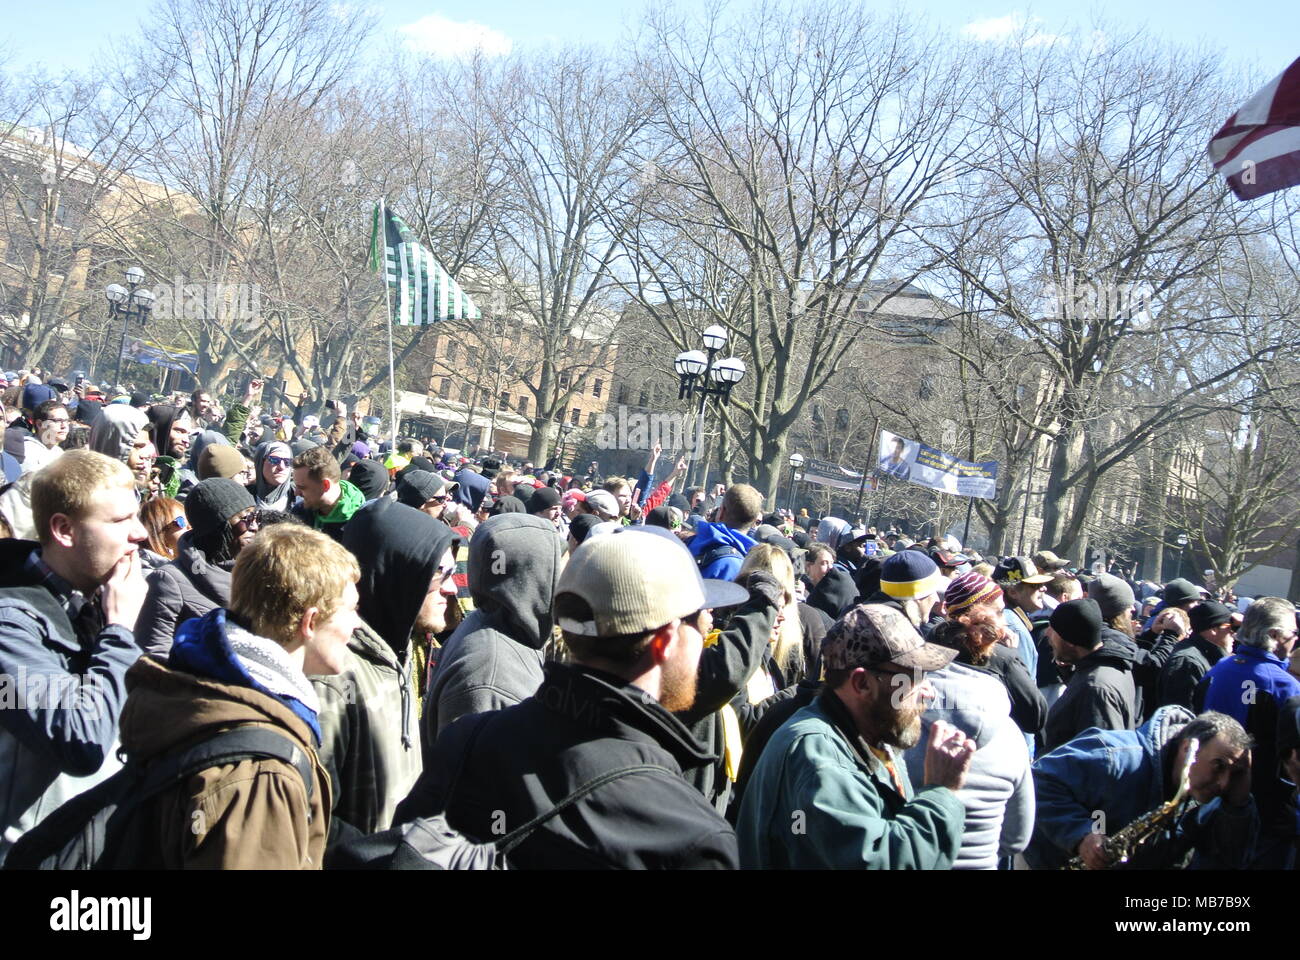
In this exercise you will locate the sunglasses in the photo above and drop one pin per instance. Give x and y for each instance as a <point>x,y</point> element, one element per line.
<point>280,461</point>
<point>178,522</point>
<point>439,499</point>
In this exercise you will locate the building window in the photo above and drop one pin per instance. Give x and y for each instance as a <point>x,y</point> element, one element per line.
<point>622,393</point>
<point>595,390</point>
<point>591,418</point>
<point>464,394</point>
<point>504,402</point>
<point>644,399</point>
<point>473,357</point>
<point>575,416</point>
<point>564,381</point>
<point>484,398</point>
<point>451,350</point>
<point>523,406</point>
<point>445,392</point>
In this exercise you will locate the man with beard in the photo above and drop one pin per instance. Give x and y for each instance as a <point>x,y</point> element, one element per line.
<point>831,788</point>
<point>170,429</point>
<point>599,735</point>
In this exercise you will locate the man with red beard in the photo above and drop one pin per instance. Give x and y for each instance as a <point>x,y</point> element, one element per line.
<point>599,741</point>
<point>831,788</point>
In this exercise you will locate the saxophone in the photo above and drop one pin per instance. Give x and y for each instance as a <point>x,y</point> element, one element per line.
<point>1120,846</point>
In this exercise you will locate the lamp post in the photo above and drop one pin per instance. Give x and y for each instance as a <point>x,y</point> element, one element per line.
<point>796,461</point>
<point>129,302</point>
<point>1182,545</point>
<point>699,374</point>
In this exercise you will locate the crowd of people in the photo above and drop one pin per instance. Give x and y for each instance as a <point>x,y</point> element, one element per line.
<point>243,639</point>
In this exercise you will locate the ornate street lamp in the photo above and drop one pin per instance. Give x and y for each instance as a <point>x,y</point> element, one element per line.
<point>796,461</point>
<point>129,302</point>
<point>699,374</point>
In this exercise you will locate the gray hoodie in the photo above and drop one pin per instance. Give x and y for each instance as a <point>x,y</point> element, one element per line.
<point>494,659</point>
<point>115,431</point>
<point>999,790</point>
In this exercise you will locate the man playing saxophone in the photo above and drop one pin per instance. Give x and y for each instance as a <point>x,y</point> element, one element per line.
<point>1103,780</point>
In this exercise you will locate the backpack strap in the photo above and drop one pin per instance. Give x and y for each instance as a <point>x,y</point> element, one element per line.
<point>520,834</point>
<point>231,746</point>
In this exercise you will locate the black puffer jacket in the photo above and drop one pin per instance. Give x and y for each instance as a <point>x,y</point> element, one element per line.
<point>189,586</point>
<point>580,724</point>
<point>1100,693</point>
<point>834,594</point>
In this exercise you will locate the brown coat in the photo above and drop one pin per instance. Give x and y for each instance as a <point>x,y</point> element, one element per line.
<point>253,814</point>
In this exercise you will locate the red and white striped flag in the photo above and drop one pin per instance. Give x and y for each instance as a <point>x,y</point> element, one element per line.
<point>1258,149</point>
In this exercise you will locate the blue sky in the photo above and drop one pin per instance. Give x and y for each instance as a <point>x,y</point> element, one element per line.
<point>1261,35</point>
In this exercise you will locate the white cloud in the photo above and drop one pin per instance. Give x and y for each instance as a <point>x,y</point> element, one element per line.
<point>447,39</point>
<point>1005,29</point>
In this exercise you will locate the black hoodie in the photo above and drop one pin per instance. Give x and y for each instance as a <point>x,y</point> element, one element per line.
<point>398,549</point>
<point>370,477</point>
<point>1101,692</point>
<point>835,593</point>
<point>494,659</point>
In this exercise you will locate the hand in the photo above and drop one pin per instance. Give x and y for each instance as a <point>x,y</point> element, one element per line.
<point>1090,849</point>
<point>1007,638</point>
<point>720,490</point>
<point>764,584</point>
<point>253,392</point>
<point>947,756</point>
<point>680,468</point>
<point>356,418</point>
<point>304,398</point>
<point>1168,620</point>
<point>123,594</point>
<point>633,511</point>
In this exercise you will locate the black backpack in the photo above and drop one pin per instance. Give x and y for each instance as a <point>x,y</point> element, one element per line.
<point>430,843</point>
<point>98,829</point>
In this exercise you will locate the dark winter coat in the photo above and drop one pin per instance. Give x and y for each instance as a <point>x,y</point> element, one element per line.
<point>580,724</point>
<point>1100,693</point>
<point>1028,706</point>
<point>1190,661</point>
<point>187,587</point>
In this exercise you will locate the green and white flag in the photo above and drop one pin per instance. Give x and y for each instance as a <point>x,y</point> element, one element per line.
<point>420,290</point>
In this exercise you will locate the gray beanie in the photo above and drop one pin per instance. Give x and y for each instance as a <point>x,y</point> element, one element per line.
<point>418,486</point>
<point>1112,594</point>
<point>213,502</point>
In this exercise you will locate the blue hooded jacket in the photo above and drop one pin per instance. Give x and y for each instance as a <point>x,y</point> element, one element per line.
<point>202,648</point>
<point>1118,775</point>
<point>719,550</point>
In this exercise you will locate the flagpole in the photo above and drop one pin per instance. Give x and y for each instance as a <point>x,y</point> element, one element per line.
<point>388,313</point>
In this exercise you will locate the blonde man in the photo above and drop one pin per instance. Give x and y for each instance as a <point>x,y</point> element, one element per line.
<point>67,608</point>
<point>293,607</point>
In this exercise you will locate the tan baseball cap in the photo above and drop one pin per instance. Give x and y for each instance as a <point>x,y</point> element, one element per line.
<point>638,580</point>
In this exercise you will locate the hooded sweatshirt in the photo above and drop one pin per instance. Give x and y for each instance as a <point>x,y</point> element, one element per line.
<point>1100,693</point>
<point>369,723</point>
<point>370,477</point>
<point>719,550</point>
<point>494,659</point>
<point>255,813</point>
<point>999,790</point>
<point>264,493</point>
<point>115,431</point>
<point>163,417</point>
<point>333,523</point>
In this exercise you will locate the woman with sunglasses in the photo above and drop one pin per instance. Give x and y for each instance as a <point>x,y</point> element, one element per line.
<point>222,520</point>
<point>272,486</point>
<point>164,521</point>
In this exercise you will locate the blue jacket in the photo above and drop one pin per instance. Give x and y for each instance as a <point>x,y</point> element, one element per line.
<point>1108,778</point>
<point>52,746</point>
<point>719,550</point>
<point>1236,682</point>
<point>815,801</point>
<point>1024,640</point>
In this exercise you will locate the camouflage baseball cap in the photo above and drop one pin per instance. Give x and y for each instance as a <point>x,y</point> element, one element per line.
<point>872,635</point>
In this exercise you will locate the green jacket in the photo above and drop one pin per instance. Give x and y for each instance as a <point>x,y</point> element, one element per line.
<point>350,500</point>
<point>236,420</point>
<point>370,734</point>
<point>818,798</point>
<point>170,468</point>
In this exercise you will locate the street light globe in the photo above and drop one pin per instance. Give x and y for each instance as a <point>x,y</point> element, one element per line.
<point>1182,540</point>
<point>135,275</point>
<point>731,370</point>
<point>144,298</point>
<point>715,337</point>
<point>115,293</point>
<point>691,363</point>
<point>796,460</point>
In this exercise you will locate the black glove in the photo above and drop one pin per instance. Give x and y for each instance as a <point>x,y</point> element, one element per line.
<point>760,583</point>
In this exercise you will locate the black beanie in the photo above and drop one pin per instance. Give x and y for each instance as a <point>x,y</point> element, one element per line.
<point>524,493</point>
<point>507,505</point>
<point>417,487</point>
<point>580,526</point>
<point>1078,622</point>
<point>1209,614</point>
<point>543,498</point>
<point>370,477</point>
<point>213,502</point>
